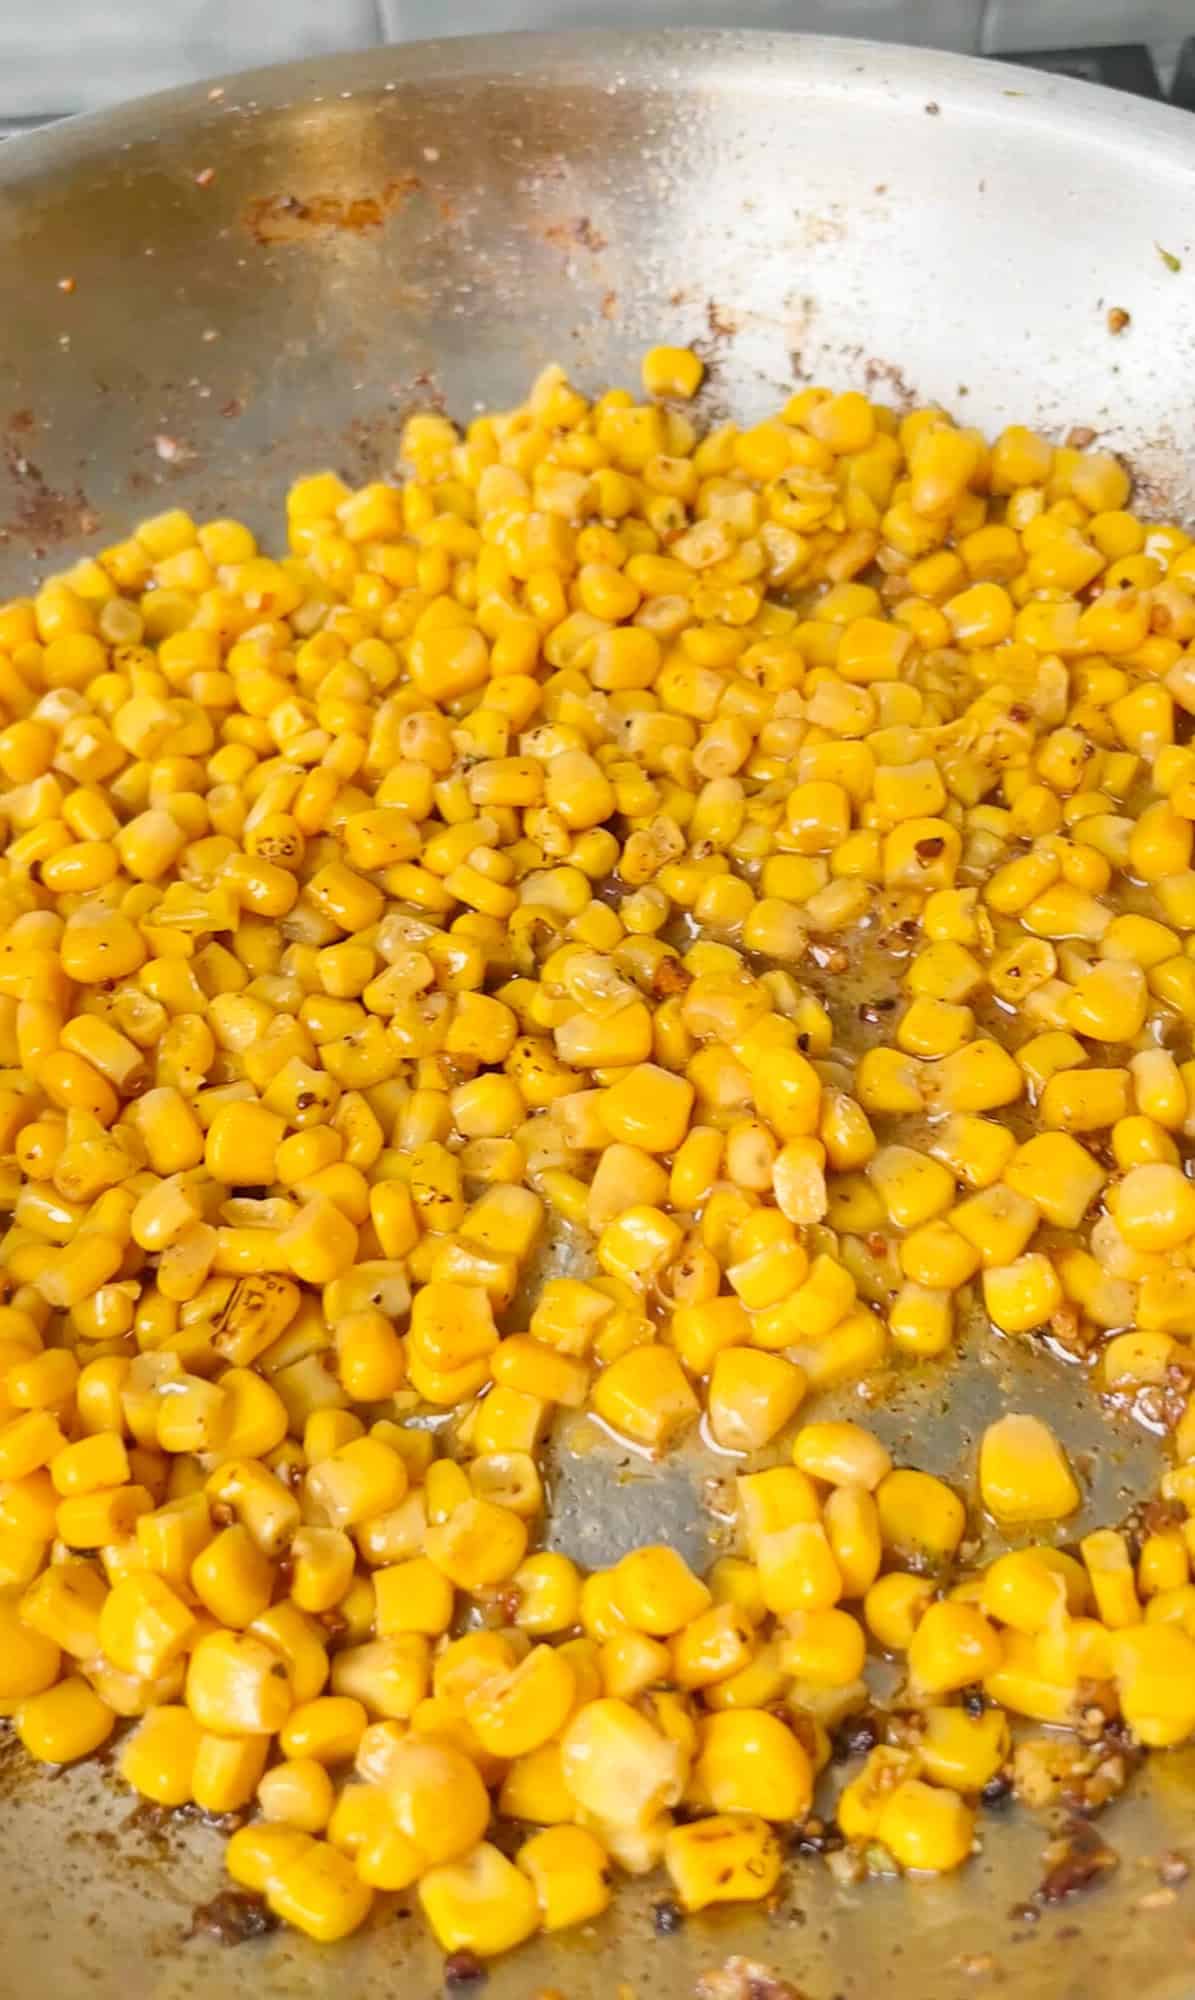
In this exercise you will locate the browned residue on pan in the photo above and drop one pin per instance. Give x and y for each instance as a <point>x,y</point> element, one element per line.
<point>290,218</point>
<point>40,514</point>
<point>575,232</point>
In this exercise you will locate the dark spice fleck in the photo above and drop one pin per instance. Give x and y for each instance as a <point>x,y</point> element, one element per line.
<point>463,1968</point>
<point>234,1917</point>
<point>858,1735</point>
<point>997,1791</point>
<point>667,1918</point>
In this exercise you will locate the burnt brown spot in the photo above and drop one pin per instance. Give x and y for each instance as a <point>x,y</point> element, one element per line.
<point>232,1917</point>
<point>289,218</point>
<point>1075,1862</point>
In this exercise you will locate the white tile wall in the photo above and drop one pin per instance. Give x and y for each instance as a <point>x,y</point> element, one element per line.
<point>1068,24</point>
<point>943,24</point>
<point>70,55</point>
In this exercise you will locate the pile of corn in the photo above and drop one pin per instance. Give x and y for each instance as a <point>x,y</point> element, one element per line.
<point>464,880</point>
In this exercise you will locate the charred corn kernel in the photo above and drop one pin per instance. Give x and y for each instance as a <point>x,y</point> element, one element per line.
<point>716,1645</point>
<point>726,1858</point>
<point>1023,1473</point>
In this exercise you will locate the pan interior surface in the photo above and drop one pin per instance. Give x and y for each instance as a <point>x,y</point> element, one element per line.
<point>215,291</point>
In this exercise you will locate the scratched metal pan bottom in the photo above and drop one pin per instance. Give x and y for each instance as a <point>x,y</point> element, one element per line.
<point>215,290</point>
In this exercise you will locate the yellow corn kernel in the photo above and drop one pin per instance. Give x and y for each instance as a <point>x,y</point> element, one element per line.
<point>158,1760</point>
<point>64,1723</point>
<point>1023,1473</point>
<point>655,1591</point>
<point>926,1829</point>
<point>714,1647</point>
<point>646,1396</point>
<point>824,1649</point>
<point>226,1771</point>
<point>479,1544</point>
<point>297,1793</point>
<point>1154,1207</point>
<point>748,1761</point>
<point>482,1903</point>
<point>725,1858</point>
<point>962,1751</point>
<point>672,371</point>
<point>361,1479</point>
<point>1153,1666</point>
<point>236,1685</point>
<point>569,1871</point>
<point>1026,1587</point>
<point>952,1646</point>
<point>1022,1295</point>
<point>319,1891</point>
<point>145,1626</point>
<point>751,1397</point>
<point>514,1713</point>
<point>618,1767</point>
<point>920,1517</point>
<point>1106,1557</point>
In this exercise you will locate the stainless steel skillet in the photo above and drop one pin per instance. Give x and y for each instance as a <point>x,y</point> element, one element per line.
<point>209,292</point>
